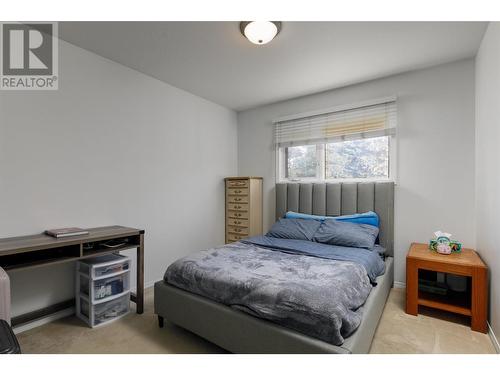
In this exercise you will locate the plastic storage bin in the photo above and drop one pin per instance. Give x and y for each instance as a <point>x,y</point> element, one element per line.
<point>103,289</point>
<point>106,312</point>
<point>104,266</point>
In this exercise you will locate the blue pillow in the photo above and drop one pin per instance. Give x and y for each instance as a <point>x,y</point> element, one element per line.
<point>370,217</point>
<point>343,233</point>
<point>294,229</point>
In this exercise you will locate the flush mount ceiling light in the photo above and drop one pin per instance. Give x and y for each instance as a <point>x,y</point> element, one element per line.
<point>260,32</point>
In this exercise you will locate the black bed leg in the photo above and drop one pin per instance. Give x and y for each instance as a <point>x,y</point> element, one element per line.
<point>160,321</point>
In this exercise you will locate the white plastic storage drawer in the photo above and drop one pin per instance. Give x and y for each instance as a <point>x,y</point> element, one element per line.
<point>105,312</point>
<point>104,266</point>
<point>104,289</point>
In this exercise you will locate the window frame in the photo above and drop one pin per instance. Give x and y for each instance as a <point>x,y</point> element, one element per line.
<point>281,165</point>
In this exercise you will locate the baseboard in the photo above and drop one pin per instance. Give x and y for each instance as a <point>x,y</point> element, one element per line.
<point>147,285</point>
<point>59,315</point>
<point>150,284</point>
<point>493,338</point>
<point>47,319</point>
<point>399,285</point>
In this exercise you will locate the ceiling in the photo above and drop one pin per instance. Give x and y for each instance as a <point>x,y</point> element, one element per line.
<point>214,61</point>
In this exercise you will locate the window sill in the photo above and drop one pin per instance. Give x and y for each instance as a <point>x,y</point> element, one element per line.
<point>332,181</point>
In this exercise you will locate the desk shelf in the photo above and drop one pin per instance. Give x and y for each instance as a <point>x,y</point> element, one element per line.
<point>39,258</point>
<point>86,253</point>
<point>100,247</point>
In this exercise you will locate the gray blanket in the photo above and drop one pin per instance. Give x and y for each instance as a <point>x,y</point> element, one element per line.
<point>371,259</point>
<point>316,296</point>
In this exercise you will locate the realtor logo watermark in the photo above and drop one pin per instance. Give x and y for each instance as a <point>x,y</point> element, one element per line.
<point>29,56</point>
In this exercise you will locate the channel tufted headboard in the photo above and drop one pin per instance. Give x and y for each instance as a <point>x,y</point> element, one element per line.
<point>334,199</point>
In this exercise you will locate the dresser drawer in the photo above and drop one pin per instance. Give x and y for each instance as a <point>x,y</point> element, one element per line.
<point>234,237</point>
<point>237,198</point>
<point>237,222</point>
<point>237,214</point>
<point>237,183</point>
<point>237,191</point>
<point>236,230</point>
<point>237,206</point>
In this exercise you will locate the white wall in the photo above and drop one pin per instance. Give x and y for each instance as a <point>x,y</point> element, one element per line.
<point>111,146</point>
<point>487,162</point>
<point>435,182</point>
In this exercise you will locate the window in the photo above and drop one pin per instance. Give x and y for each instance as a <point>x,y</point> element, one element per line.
<point>361,158</point>
<point>301,161</point>
<point>352,144</point>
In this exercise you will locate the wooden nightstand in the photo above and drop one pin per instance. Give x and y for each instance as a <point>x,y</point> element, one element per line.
<point>467,263</point>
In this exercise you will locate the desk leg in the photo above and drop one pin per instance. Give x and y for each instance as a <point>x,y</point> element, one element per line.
<point>479,300</point>
<point>411,287</point>
<point>140,277</point>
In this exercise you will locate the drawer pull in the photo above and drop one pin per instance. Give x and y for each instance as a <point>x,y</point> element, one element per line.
<point>237,222</point>
<point>237,199</point>
<point>237,207</point>
<point>237,191</point>
<point>237,230</point>
<point>237,214</point>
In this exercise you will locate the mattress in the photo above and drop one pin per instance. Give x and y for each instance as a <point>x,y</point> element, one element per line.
<point>320,296</point>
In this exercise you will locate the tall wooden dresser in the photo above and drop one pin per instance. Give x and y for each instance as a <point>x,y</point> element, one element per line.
<point>243,207</point>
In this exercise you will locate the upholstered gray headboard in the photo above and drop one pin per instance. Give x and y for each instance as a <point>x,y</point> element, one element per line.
<point>334,199</point>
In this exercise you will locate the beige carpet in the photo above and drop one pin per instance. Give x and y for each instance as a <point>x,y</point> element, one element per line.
<point>397,333</point>
<point>432,331</point>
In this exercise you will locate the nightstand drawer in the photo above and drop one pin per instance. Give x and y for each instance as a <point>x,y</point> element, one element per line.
<point>237,222</point>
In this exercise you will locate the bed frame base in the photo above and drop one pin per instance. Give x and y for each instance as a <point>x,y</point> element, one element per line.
<point>239,332</point>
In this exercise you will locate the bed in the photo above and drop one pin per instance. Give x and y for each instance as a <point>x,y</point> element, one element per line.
<point>240,332</point>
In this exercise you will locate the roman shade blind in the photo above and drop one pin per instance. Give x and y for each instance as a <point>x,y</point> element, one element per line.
<point>372,120</point>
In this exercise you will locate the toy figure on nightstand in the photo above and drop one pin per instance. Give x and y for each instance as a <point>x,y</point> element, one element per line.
<point>443,245</point>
